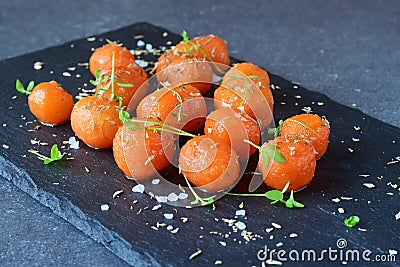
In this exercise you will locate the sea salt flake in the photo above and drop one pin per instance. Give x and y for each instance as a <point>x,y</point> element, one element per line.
<point>277,226</point>
<point>140,43</point>
<point>168,216</point>
<point>397,216</point>
<point>142,63</point>
<point>73,143</point>
<point>104,207</point>
<point>155,181</point>
<point>240,225</point>
<point>149,47</point>
<point>183,196</point>
<point>369,185</point>
<point>240,213</point>
<point>172,197</point>
<point>139,188</point>
<point>162,199</point>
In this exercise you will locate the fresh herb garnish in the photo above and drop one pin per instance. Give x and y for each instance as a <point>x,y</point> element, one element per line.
<point>247,86</point>
<point>185,37</point>
<point>276,196</point>
<point>291,203</point>
<point>55,155</point>
<point>203,201</point>
<point>267,152</point>
<point>276,131</point>
<point>133,124</point>
<point>20,87</point>
<point>196,47</point>
<point>107,81</point>
<point>179,98</point>
<point>304,125</point>
<point>352,221</point>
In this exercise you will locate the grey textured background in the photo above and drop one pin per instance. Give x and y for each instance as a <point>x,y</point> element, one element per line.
<point>333,47</point>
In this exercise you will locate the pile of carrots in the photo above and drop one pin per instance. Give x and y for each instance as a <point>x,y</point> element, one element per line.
<point>145,144</point>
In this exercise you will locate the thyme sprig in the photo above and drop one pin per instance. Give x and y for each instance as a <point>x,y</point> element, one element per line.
<point>197,47</point>
<point>133,124</point>
<point>203,201</point>
<point>276,196</point>
<point>20,87</point>
<point>106,81</point>
<point>55,155</point>
<point>179,98</point>
<point>267,152</point>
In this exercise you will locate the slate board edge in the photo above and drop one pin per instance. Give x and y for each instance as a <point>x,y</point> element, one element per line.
<point>74,215</point>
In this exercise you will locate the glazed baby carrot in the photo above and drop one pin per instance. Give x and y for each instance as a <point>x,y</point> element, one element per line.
<point>284,160</point>
<point>180,69</point>
<point>141,152</point>
<point>95,121</point>
<point>182,107</point>
<point>209,163</point>
<point>48,101</point>
<point>311,127</point>
<point>245,88</point>
<point>233,128</point>
<point>102,56</point>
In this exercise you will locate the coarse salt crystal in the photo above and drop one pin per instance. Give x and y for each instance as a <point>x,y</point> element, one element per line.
<point>149,47</point>
<point>183,196</point>
<point>139,188</point>
<point>240,225</point>
<point>168,216</point>
<point>172,197</point>
<point>155,181</point>
<point>105,207</point>
<point>240,213</point>
<point>369,185</point>
<point>161,199</point>
<point>142,63</point>
<point>276,225</point>
<point>73,143</point>
<point>140,43</point>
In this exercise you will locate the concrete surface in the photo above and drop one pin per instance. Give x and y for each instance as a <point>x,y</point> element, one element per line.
<point>347,50</point>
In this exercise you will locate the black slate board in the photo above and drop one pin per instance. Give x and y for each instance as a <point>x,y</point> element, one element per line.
<point>76,195</point>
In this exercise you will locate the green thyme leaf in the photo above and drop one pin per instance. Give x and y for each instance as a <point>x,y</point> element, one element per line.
<point>185,37</point>
<point>55,155</point>
<point>30,86</point>
<point>352,221</point>
<point>291,203</point>
<point>274,195</point>
<point>20,87</point>
<point>265,159</point>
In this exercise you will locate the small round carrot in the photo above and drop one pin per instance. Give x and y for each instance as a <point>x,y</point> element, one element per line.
<point>182,107</point>
<point>233,128</point>
<point>245,88</point>
<point>102,56</point>
<point>311,127</point>
<point>210,47</point>
<point>180,69</point>
<point>209,163</point>
<point>50,103</point>
<point>95,121</point>
<point>127,82</point>
<point>141,153</point>
<point>287,159</point>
